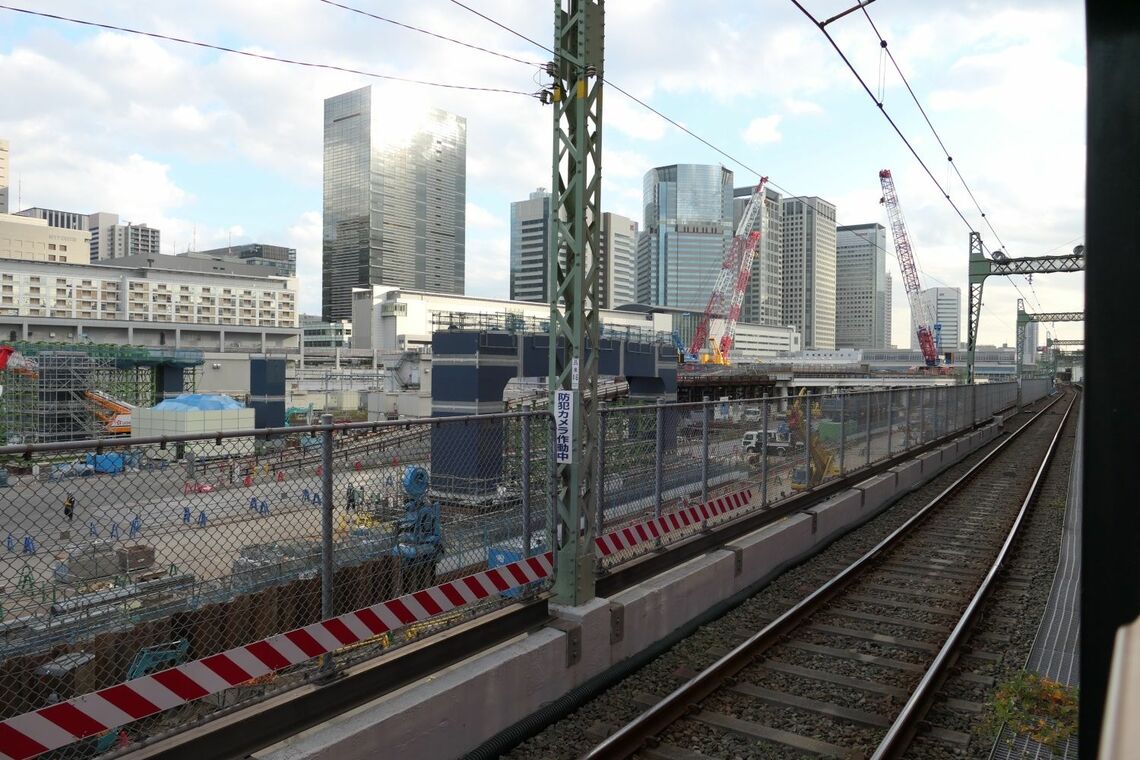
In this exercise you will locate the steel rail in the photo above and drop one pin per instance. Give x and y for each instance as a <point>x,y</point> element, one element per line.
<point>905,726</point>
<point>634,735</point>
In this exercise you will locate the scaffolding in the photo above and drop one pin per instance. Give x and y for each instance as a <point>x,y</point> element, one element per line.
<point>51,405</point>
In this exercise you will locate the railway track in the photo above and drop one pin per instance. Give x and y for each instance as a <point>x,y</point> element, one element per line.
<point>850,670</point>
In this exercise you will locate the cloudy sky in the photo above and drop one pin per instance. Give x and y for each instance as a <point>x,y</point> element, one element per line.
<point>214,147</point>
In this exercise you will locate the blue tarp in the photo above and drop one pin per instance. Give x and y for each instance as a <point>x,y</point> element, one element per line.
<point>106,462</point>
<point>198,402</point>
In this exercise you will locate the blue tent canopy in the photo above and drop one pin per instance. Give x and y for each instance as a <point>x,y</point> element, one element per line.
<point>198,402</point>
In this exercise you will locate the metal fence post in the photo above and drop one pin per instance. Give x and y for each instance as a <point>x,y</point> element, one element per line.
<point>842,434</point>
<point>705,410</point>
<point>600,488</point>
<point>807,444</point>
<point>658,470</point>
<point>869,420</point>
<point>764,455</point>
<point>524,476</point>
<point>890,422</point>
<point>326,530</point>
<point>906,438</point>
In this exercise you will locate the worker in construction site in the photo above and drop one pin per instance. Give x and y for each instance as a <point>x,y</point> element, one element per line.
<point>69,507</point>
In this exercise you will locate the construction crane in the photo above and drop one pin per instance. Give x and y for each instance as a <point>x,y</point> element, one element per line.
<point>728,293</point>
<point>919,307</point>
<point>822,464</point>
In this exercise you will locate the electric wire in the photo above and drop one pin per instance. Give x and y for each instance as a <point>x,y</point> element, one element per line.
<point>428,32</point>
<point>949,159</point>
<point>730,156</point>
<point>265,56</point>
<point>884,48</point>
<point>891,121</point>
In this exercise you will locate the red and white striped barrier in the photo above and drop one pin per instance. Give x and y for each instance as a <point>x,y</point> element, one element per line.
<point>49,728</point>
<point>625,538</point>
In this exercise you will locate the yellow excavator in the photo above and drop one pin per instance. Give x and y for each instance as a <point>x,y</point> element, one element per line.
<point>822,458</point>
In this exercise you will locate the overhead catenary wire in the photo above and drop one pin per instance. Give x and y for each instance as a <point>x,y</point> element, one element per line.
<point>949,158</point>
<point>885,48</point>
<point>720,151</point>
<point>882,109</point>
<point>266,56</point>
<point>429,33</point>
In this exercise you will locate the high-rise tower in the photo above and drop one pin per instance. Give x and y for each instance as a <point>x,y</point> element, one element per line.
<point>861,286</point>
<point>395,192</point>
<point>807,237</point>
<point>688,227</point>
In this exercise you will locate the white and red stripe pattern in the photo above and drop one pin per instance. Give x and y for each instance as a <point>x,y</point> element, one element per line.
<point>690,517</point>
<point>48,728</point>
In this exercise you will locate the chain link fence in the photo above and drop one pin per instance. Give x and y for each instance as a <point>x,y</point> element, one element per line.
<point>124,557</point>
<point>668,460</point>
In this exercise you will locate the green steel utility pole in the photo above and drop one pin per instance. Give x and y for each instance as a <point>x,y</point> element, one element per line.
<point>1024,318</point>
<point>982,267</point>
<point>576,216</point>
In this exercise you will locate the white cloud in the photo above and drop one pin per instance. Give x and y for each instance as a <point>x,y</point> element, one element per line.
<point>798,107</point>
<point>150,129</point>
<point>488,266</point>
<point>763,130</point>
<point>477,216</point>
<point>305,234</point>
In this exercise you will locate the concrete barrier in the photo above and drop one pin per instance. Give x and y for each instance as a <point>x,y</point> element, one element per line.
<point>908,474</point>
<point>931,463</point>
<point>457,709</point>
<point>667,601</point>
<point>878,489</point>
<point>836,514</point>
<point>764,551</point>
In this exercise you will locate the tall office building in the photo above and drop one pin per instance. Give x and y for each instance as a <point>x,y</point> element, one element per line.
<point>1030,345</point>
<point>618,254</point>
<point>807,234</point>
<point>946,306</point>
<point>764,298</point>
<point>3,176</point>
<point>688,227</point>
<point>530,242</point>
<point>888,314</point>
<point>861,286</point>
<point>395,192</point>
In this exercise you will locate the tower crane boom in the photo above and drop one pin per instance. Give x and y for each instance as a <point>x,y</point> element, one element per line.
<point>727,295</point>
<point>919,307</point>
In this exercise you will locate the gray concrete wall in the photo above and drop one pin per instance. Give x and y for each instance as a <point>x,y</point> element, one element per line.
<point>454,711</point>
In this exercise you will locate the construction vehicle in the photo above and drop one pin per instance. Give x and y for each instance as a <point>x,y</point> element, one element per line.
<point>920,308</point>
<point>822,459</point>
<point>113,413</point>
<point>727,295</point>
<point>684,356</point>
<point>13,361</point>
<point>147,660</point>
<point>307,442</point>
<point>419,533</point>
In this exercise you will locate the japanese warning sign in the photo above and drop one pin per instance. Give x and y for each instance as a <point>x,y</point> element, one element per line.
<point>563,426</point>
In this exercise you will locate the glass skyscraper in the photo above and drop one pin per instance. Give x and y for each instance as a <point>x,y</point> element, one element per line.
<point>395,191</point>
<point>862,318</point>
<point>688,227</point>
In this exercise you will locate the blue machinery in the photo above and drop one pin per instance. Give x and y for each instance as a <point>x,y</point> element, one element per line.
<point>419,535</point>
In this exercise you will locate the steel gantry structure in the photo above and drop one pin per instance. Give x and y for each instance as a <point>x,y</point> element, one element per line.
<point>1024,318</point>
<point>982,267</point>
<point>576,216</point>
